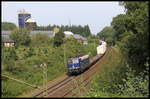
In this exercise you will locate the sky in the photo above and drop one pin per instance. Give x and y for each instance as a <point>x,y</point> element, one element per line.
<point>96,14</point>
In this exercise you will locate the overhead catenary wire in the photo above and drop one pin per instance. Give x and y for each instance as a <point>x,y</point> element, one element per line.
<point>35,86</point>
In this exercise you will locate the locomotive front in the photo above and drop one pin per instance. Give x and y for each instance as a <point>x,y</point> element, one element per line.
<point>73,65</point>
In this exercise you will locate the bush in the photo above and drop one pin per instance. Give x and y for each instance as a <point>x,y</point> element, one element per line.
<point>9,54</point>
<point>135,85</point>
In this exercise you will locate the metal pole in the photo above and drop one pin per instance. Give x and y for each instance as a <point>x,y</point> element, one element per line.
<point>64,55</point>
<point>94,43</point>
<point>44,79</point>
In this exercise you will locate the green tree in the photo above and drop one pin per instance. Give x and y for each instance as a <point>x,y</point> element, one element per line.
<point>8,26</point>
<point>58,39</point>
<point>107,34</point>
<point>87,31</point>
<point>21,36</point>
<point>135,35</point>
<point>119,24</point>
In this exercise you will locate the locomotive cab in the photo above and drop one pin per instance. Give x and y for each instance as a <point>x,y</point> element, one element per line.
<point>77,64</point>
<point>73,65</point>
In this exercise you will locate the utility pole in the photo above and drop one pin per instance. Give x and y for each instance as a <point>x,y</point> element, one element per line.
<point>44,78</point>
<point>94,43</point>
<point>70,24</point>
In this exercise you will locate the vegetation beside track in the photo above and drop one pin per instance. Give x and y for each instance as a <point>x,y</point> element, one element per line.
<point>117,79</point>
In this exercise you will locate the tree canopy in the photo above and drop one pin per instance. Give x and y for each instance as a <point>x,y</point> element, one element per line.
<point>21,36</point>
<point>107,34</point>
<point>77,29</point>
<point>8,26</point>
<point>130,32</point>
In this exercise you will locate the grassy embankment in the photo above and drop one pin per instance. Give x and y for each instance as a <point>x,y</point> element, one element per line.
<point>117,79</point>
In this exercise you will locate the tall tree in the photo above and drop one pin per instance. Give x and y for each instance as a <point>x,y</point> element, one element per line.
<point>135,39</point>
<point>107,34</point>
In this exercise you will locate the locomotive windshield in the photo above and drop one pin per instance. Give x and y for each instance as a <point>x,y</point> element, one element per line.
<point>75,60</point>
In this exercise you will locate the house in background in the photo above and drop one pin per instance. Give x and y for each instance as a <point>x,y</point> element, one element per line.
<point>80,39</point>
<point>7,41</point>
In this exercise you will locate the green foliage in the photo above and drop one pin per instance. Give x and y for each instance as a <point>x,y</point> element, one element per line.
<point>93,39</point>
<point>131,30</point>
<point>2,43</point>
<point>119,24</point>
<point>23,52</point>
<point>135,85</point>
<point>117,79</point>
<point>9,54</point>
<point>21,36</point>
<point>8,26</point>
<point>107,34</point>
<point>40,40</point>
<point>58,39</point>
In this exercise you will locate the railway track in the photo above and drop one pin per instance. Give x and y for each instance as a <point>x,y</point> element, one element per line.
<point>68,85</point>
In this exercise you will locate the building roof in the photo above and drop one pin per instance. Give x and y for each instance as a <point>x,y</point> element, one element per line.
<point>68,33</point>
<point>49,33</point>
<point>77,36</point>
<point>30,20</point>
<point>6,38</point>
<point>5,34</point>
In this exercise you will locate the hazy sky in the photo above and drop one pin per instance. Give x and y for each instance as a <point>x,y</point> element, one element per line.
<point>96,14</point>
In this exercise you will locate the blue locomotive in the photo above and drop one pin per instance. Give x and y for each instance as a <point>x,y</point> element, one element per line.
<point>78,64</point>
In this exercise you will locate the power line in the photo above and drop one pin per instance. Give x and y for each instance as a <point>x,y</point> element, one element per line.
<point>35,86</point>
